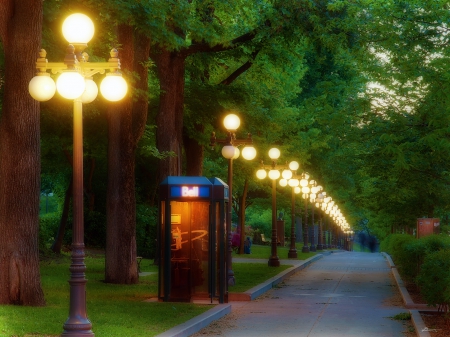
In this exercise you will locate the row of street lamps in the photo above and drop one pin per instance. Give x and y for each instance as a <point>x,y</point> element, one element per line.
<point>310,190</point>
<point>75,83</point>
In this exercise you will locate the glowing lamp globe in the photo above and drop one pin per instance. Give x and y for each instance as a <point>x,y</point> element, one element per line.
<point>42,87</point>
<point>78,28</point>
<point>293,165</point>
<point>113,87</point>
<point>274,174</point>
<point>303,182</point>
<point>90,93</point>
<point>305,190</point>
<point>228,151</point>
<point>70,84</point>
<point>236,153</point>
<point>261,174</point>
<point>286,174</point>
<point>283,182</point>
<point>297,190</point>
<point>274,153</point>
<point>249,152</point>
<point>293,182</point>
<point>231,122</point>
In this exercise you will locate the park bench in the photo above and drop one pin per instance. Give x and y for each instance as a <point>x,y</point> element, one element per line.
<point>264,241</point>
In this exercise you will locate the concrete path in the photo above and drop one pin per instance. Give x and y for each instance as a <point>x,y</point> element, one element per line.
<point>342,294</point>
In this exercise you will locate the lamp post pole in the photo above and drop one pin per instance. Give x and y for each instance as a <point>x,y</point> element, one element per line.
<point>293,182</point>
<point>312,231</point>
<point>274,261</point>
<point>319,201</point>
<point>231,152</point>
<point>75,83</point>
<point>274,174</point>
<point>292,254</point>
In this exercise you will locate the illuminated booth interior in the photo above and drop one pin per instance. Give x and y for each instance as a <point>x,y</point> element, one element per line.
<point>191,233</point>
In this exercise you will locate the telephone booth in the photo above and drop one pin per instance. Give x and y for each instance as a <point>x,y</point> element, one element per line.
<point>191,233</point>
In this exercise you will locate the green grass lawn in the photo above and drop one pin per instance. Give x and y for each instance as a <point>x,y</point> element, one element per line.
<point>248,275</point>
<point>118,310</point>
<point>114,310</point>
<point>264,251</point>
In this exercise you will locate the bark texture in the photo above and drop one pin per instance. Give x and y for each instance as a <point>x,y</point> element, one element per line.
<point>126,123</point>
<point>20,33</point>
<point>169,120</point>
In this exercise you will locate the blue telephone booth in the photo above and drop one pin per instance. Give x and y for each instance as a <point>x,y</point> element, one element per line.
<point>191,233</point>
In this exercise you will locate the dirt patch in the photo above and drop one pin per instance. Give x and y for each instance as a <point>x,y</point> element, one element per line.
<point>437,323</point>
<point>414,293</point>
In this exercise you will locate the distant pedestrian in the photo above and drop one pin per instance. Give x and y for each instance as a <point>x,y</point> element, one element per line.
<point>247,245</point>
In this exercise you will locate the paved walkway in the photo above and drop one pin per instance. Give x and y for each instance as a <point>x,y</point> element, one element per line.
<point>342,294</point>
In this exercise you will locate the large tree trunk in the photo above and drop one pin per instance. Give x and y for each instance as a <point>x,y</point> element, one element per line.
<point>194,153</point>
<point>169,120</point>
<point>20,33</point>
<point>125,127</point>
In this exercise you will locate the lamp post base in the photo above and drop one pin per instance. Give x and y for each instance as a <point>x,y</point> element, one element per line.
<point>305,249</point>
<point>312,248</point>
<point>320,247</point>
<point>274,262</point>
<point>230,278</point>
<point>292,254</point>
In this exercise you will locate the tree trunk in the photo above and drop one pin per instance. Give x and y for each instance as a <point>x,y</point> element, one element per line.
<point>126,124</point>
<point>169,120</point>
<point>57,244</point>
<point>194,154</point>
<point>242,207</point>
<point>20,34</point>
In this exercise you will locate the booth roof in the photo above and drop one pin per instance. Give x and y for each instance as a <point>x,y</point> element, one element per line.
<point>182,180</point>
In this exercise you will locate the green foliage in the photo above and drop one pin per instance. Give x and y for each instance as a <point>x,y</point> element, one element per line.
<point>48,226</point>
<point>408,253</point>
<point>434,279</point>
<point>260,219</point>
<point>146,231</point>
<point>403,316</point>
<point>94,229</point>
<point>395,245</point>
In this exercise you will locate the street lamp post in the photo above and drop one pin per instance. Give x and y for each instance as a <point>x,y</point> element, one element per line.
<point>274,174</point>
<point>305,190</point>
<point>319,201</point>
<point>314,190</point>
<point>75,83</point>
<point>293,182</point>
<point>231,152</point>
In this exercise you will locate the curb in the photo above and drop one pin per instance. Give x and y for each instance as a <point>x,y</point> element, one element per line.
<point>413,308</point>
<point>197,323</point>
<point>260,289</point>
<point>419,325</point>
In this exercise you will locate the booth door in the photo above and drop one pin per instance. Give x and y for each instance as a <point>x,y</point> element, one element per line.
<point>189,250</point>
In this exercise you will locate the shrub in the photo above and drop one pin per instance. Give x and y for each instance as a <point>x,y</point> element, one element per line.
<point>48,226</point>
<point>434,279</point>
<point>146,230</point>
<point>94,229</point>
<point>416,251</point>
